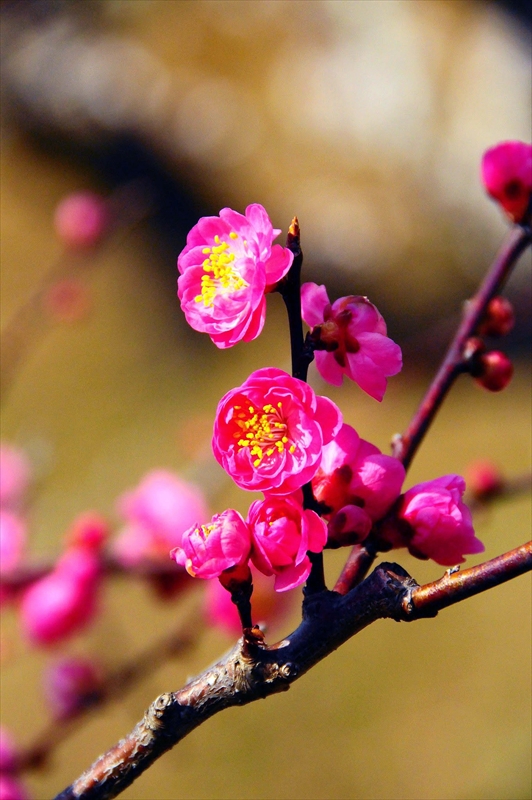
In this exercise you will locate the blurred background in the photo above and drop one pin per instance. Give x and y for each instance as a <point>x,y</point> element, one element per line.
<point>367,119</point>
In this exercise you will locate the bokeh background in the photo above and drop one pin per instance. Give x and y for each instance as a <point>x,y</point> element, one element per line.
<point>367,119</point>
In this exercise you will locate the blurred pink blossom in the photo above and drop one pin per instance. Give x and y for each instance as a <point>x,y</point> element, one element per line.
<point>12,541</point>
<point>208,550</point>
<point>81,219</point>
<point>433,522</point>
<point>226,268</point>
<point>158,511</point>
<point>64,601</point>
<point>269,433</point>
<point>71,684</point>
<point>351,339</point>
<point>68,300</point>
<point>15,473</point>
<point>282,533</point>
<point>11,788</point>
<point>354,472</point>
<point>8,751</point>
<point>506,173</point>
<point>269,607</point>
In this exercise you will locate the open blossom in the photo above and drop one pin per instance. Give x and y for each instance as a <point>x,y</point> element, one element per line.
<point>64,601</point>
<point>351,340</point>
<point>433,522</point>
<point>208,550</point>
<point>227,266</point>
<point>507,176</point>
<point>282,533</point>
<point>157,512</point>
<point>269,433</point>
<point>354,474</point>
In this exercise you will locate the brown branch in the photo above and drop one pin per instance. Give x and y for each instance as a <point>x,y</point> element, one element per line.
<point>406,445</point>
<point>253,670</point>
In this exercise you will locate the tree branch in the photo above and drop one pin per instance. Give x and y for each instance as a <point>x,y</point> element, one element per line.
<point>406,445</point>
<point>253,670</point>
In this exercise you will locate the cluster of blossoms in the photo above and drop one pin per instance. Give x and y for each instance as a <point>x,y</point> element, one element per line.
<point>274,435</point>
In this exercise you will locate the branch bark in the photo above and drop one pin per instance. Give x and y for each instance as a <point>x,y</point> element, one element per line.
<point>253,670</point>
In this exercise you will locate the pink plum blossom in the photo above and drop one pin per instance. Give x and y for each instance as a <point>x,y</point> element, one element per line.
<point>282,533</point>
<point>70,684</point>
<point>81,219</point>
<point>64,601</point>
<point>355,474</point>
<point>14,475</point>
<point>269,433</point>
<point>269,607</point>
<point>435,523</point>
<point>208,550</point>
<point>350,339</point>
<point>12,540</point>
<point>158,511</point>
<point>226,268</point>
<point>507,176</point>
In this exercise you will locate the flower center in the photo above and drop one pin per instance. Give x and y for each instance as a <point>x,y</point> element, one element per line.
<point>220,274</point>
<point>264,431</point>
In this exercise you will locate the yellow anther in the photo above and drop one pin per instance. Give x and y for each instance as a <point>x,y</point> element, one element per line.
<point>233,235</point>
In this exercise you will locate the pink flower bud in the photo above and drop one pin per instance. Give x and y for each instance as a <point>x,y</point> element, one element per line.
<point>14,475</point>
<point>499,318</point>
<point>354,472</point>
<point>158,511</point>
<point>81,219</point>
<point>269,433</point>
<point>11,788</point>
<point>350,339</point>
<point>433,522</point>
<point>348,526</point>
<point>12,541</point>
<point>494,371</point>
<point>282,533</point>
<point>63,602</point>
<point>269,607</point>
<point>68,301</point>
<point>88,530</point>
<point>484,479</point>
<point>226,268</point>
<point>507,177</point>
<point>70,685</point>
<point>207,550</point>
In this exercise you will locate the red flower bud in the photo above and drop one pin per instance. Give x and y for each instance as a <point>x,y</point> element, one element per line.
<point>484,479</point>
<point>499,319</point>
<point>493,371</point>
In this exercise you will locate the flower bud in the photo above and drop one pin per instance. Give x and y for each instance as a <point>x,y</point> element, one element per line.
<point>348,526</point>
<point>507,176</point>
<point>499,318</point>
<point>81,220</point>
<point>70,685</point>
<point>493,371</point>
<point>484,479</point>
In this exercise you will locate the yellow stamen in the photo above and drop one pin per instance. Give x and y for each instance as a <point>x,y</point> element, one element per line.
<point>263,432</point>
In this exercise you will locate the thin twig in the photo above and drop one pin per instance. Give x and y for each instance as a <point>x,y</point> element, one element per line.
<point>406,445</point>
